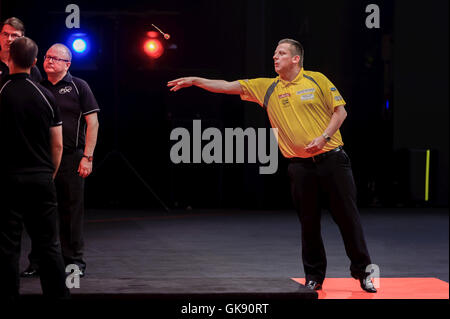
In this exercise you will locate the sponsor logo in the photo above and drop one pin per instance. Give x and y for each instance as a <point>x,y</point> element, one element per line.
<point>65,90</point>
<point>338,98</point>
<point>333,89</point>
<point>306,91</point>
<point>284,95</point>
<point>307,97</point>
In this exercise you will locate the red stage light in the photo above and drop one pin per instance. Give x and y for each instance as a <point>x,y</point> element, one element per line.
<point>153,48</point>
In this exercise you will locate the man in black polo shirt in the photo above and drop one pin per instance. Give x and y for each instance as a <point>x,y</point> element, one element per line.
<point>31,136</point>
<point>80,126</point>
<point>11,29</point>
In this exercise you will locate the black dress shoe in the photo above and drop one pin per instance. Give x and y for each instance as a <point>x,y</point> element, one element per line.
<point>367,284</point>
<point>30,272</point>
<point>313,285</point>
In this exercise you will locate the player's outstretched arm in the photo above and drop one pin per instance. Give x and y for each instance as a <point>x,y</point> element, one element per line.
<point>216,86</point>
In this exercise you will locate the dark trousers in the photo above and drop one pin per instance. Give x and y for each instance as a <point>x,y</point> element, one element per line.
<point>332,175</point>
<point>30,200</point>
<point>70,194</point>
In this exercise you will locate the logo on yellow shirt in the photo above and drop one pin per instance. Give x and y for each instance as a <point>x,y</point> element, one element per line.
<point>306,91</point>
<point>307,97</point>
<point>281,96</point>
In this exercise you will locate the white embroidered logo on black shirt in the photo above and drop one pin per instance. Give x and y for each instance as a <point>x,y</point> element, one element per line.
<point>65,90</point>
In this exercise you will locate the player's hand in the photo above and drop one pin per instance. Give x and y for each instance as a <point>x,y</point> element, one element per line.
<point>316,145</point>
<point>180,83</point>
<point>85,168</point>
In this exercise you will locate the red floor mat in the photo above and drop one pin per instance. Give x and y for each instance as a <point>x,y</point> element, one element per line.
<point>389,288</point>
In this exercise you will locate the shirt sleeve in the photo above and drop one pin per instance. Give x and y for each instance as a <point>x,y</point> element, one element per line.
<point>331,94</point>
<point>88,103</point>
<point>254,90</point>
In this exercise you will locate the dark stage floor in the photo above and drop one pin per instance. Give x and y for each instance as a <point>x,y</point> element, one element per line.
<point>235,252</point>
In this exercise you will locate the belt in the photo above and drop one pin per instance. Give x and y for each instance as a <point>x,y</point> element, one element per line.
<point>316,158</point>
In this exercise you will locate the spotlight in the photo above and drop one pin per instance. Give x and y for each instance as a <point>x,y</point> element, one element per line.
<point>153,48</point>
<point>80,44</point>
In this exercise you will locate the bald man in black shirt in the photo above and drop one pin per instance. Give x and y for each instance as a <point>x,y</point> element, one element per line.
<point>79,110</point>
<point>31,134</point>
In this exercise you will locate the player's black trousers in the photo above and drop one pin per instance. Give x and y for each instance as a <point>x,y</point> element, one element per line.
<point>329,174</point>
<point>70,194</point>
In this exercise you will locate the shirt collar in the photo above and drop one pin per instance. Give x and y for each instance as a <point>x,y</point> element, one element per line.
<point>18,76</point>
<point>67,78</point>
<point>297,79</point>
<point>4,69</point>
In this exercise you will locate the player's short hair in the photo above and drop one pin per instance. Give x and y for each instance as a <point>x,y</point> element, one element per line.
<point>16,23</point>
<point>296,49</point>
<point>23,52</point>
<point>65,48</point>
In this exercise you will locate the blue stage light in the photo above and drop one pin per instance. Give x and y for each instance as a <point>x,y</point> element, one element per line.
<point>79,45</point>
